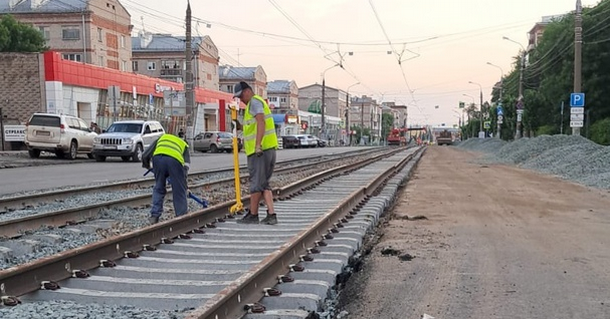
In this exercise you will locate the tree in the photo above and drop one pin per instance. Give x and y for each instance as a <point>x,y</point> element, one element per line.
<point>387,123</point>
<point>360,132</point>
<point>19,37</point>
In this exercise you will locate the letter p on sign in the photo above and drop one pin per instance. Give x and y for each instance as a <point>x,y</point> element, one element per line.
<point>577,100</point>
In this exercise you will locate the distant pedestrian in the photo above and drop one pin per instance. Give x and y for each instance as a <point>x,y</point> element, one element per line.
<point>181,134</point>
<point>95,128</point>
<point>170,159</point>
<point>260,143</point>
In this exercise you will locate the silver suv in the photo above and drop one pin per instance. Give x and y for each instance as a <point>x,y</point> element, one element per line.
<point>215,142</point>
<point>65,135</point>
<point>126,139</point>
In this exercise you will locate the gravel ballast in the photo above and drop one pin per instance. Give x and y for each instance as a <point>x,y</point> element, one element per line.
<point>70,310</point>
<point>570,157</point>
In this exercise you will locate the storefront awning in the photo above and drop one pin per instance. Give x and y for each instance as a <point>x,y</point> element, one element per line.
<point>279,119</point>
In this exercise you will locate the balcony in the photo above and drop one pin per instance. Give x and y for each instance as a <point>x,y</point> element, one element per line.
<point>171,72</point>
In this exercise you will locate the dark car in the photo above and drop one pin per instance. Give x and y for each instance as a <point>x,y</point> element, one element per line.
<point>290,141</point>
<point>321,143</point>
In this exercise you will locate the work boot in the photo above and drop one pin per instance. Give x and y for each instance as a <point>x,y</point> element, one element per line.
<point>249,219</point>
<point>271,219</point>
<point>153,220</point>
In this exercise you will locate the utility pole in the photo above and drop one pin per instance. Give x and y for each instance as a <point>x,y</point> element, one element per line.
<point>362,123</point>
<point>520,100</point>
<point>578,55</point>
<point>2,128</point>
<point>322,121</point>
<point>188,84</point>
<point>561,126</point>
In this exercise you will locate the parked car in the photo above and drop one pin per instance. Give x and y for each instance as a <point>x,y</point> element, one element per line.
<point>215,142</point>
<point>127,140</point>
<point>320,142</point>
<point>65,135</point>
<point>290,141</point>
<point>306,141</point>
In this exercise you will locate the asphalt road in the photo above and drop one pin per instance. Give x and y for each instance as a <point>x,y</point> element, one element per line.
<point>499,242</point>
<point>13,180</point>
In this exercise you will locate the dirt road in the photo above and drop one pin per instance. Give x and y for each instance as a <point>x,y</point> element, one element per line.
<point>499,242</point>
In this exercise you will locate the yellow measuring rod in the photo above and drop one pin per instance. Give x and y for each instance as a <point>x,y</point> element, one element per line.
<point>239,206</point>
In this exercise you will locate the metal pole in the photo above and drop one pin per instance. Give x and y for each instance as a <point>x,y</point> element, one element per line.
<point>362,123</point>
<point>321,134</point>
<point>520,99</point>
<point>348,130</point>
<point>561,126</point>
<point>499,126</point>
<point>2,128</point>
<point>577,55</point>
<point>188,84</point>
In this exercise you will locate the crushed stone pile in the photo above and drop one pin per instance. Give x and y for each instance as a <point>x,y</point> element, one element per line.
<point>573,158</point>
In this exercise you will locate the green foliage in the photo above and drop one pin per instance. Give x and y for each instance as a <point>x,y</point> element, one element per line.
<point>549,75</point>
<point>546,130</point>
<point>387,123</point>
<point>19,37</point>
<point>600,132</point>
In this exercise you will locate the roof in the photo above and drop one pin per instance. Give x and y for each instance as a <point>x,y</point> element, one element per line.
<point>278,86</point>
<point>236,73</point>
<point>163,42</point>
<point>33,6</point>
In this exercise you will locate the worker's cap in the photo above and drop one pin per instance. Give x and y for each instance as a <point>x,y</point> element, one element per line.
<point>239,88</point>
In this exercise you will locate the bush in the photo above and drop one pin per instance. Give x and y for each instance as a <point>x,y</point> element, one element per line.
<point>546,130</point>
<point>600,132</point>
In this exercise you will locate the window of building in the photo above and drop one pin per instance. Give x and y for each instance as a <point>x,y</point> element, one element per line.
<point>151,66</point>
<point>134,65</point>
<point>122,42</point>
<point>171,64</point>
<point>99,35</point>
<point>123,65</point>
<point>283,100</point>
<point>46,33</point>
<point>229,88</point>
<point>102,61</point>
<point>72,57</point>
<point>273,99</point>
<point>70,33</point>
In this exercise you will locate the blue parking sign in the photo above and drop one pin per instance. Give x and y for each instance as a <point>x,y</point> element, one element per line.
<point>577,99</point>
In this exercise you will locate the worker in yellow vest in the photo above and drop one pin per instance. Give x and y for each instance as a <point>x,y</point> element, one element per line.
<point>170,159</point>
<point>260,143</point>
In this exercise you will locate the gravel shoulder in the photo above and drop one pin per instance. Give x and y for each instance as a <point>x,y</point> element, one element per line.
<point>499,242</point>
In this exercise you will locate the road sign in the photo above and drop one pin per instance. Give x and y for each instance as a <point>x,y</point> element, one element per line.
<point>487,124</point>
<point>500,110</point>
<point>576,123</point>
<point>577,117</point>
<point>500,118</point>
<point>520,105</point>
<point>462,105</point>
<point>577,110</point>
<point>577,99</point>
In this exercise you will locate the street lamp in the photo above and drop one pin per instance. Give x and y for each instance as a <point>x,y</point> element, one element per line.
<point>322,108</point>
<point>498,122</point>
<point>520,99</point>
<point>348,129</point>
<point>480,106</point>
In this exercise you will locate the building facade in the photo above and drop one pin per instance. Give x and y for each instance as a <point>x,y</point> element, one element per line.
<point>254,76</point>
<point>399,112</point>
<point>163,56</point>
<point>283,97</point>
<point>89,31</point>
<point>310,100</point>
<point>535,34</point>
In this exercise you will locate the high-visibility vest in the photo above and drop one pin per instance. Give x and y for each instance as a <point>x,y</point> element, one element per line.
<point>269,140</point>
<point>172,146</point>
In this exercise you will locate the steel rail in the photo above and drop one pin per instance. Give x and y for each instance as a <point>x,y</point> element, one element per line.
<point>13,228</point>
<point>232,302</point>
<point>22,201</point>
<point>26,278</point>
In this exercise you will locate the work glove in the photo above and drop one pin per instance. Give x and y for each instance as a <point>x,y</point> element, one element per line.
<point>259,151</point>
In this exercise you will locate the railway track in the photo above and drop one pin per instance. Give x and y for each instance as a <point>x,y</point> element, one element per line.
<point>122,194</point>
<point>12,202</point>
<point>205,257</point>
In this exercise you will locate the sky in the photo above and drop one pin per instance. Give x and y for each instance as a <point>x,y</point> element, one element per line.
<point>442,44</point>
